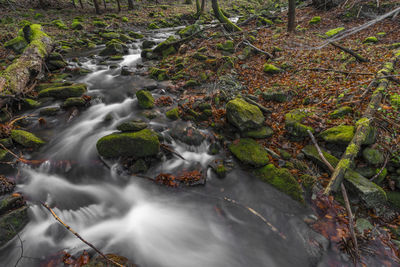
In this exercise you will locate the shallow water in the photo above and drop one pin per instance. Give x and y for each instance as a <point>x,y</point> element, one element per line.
<point>134,217</point>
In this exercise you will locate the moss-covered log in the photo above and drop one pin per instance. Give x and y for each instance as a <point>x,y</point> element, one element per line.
<point>363,126</point>
<point>17,76</point>
<point>229,25</point>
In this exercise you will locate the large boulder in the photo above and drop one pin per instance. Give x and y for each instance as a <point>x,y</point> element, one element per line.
<point>248,151</point>
<point>131,144</point>
<point>26,139</point>
<point>282,180</point>
<point>243,115</point>
<point>114,48</point>
<point>341,135</point>
<point>64,92</point>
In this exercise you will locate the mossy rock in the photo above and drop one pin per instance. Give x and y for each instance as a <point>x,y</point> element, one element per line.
<point>282,180</point>
<point>315,20</point>
<point>17,44</point>
<point>30,103</point>
<point>26,139</point>
<point>135,35</point>
<point>51,111</point>
<point>132,126</point>
<point>312,153</point>
<point>373,156</point>
<point>6,142</point>
<point>158,74</point>
<point>394,198</point>
<point>371,39</point>
<point>43,86</point>
<point>341,112</point>
<point>74,102</point>
<point>199,56</point>
<point>189,30</point>
<point>125,38</point>
<point>11,223</point>
<point>335,31</point>
<point>246,53</point>
<point>145,99</point>
<point>56,64</point>
<point>263,21</point>
<point>64,92</point>
<point>76,25</point>
<point>153,26</point>
<point>172,114</point>
<point>59,24</point>
<point>263,132</point>
<point>395,101</point>
<point>271,69</point>
<point>113,48</point>
<point>100,24</point>
<point>243,115</point>
<point>248,151</point>
<point>110,35</point>
<point>293,123</point>
<point>148,44</point>
<point>191,83</point>
<point>341,135</point>
<point>279,96</point>
<point>139,166</point>
<point>139,144</point>
<point>228,46</point>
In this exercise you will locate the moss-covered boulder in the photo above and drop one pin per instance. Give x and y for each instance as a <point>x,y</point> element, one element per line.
<point>282,180</point>
<point>113,48</point>
<point>148,44</point>
<point>110,35</point>
<point>311,153</point>
<point>26,139</point>
<point>139,144</point>
<point>276,95</point>
<point>189,30</point>
<point>100,24</point>
<point>145,99</point>
<point>30,103</point>
<point>243,115</point>
<point>172,114</point>
<point>248,151</point>
<point>140,166</point>
<point>333,32</point>
<point>135,35</point>
<point>51,111</point>
<point>11,223</point>
<point>263,132</point>
<point>74,102</point>
<point>341,135</point>
<point>64,92</point>
<point>158,74</point>
<point>132,126</point>
<point>294,123</point>
<point>271,69</point>
<point>341,112</point>
<point>17,44</point>
<point>315,20</point>
<point>228,46</point>
<point>373,156</point>
<point>370,40</point>
<point>76,25</point>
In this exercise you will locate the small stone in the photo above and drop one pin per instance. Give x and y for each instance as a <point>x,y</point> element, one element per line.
<point>172,114</point>
<point>139,166</point>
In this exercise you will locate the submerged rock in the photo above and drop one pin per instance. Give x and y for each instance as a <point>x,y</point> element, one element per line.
<point>248,151</point>
<point>133,144</point>
<point>187,135</point>
<point>243,115</point>
<point>145,99</point>
<point>64,92</point>
<point>26,139</point>
<point>282,180</point>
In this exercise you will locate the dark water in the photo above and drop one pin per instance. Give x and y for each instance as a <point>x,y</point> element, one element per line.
<point>150,224</point>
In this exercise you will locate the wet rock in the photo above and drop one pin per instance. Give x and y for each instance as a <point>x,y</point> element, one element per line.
<point>341,135</point>
<point>113,48</point>
<point>341,112</point>
<point>133,144</point>
<point>132,126</point>
<point>214,148</point>
<point>148,44</point>
<point>6,186</point>
<point>145,99</point>
<point>139,166</point>
<point>26,139</point>
<point>373,156</point>
<point>172,114</point>
<point>158,74</point>
<point>189,30</point>
<point>110,35</point>
<point>243,115</point>
<point>282,180</point>
<point>51,111</point>
<point>263,132</point>
<point>64,92</point>
<point>125,71</point>
<point>187,135</point>
<point>74,102</point>
<point>5,155</point>
<point>248,151</point>
<point>218,167</point>
<point>17,44</point>
<point>6,142</point>
<point>101,262</point>
<point>294,123</point>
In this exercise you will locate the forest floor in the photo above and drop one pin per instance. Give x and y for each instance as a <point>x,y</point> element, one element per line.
<point>312,76</point>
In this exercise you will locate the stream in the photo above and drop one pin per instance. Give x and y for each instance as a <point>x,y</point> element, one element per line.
<point>150,224</point>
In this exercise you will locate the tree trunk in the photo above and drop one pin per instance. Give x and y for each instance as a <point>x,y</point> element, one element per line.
<point>96,6</point>
<point>119,6</point>
<point>221,17</point>
<point>291,16</point>
<point>203,5</point>
<point>73,3</point>
<point>105,5</point>
<point>130,5</point>
<point>198,7</point>
<point>41,4</point>
<point>29,65</point>
<point>80,2</point>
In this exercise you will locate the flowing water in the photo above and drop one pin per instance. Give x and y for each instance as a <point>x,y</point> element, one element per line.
<point>150,224</point>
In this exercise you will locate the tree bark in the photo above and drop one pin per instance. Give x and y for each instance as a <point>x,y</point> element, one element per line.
<point>291,16</point>
<point>29,65</point>
<point>363,126</point>
<point>80,2</point>
<point>105,5</point>
<point>130,5</point>
<point>230,26</point>
<point>96,6</point>
<point>73,3</point>
<point>203,5</point>
<point>198,7</point>
<point>119,6</point>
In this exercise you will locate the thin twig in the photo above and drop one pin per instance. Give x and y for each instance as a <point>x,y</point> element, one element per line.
<point>263,109</point>
<point>269,55</point>
<point>340,71</point>
<point>167,148</point>
<point>320,152</point>
<point>381,170</point>
<point>78,236</point>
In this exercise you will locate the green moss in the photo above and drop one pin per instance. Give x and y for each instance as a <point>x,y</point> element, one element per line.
<point>110,35</point>
<point>191,83</point>
<point>344,164</point>
<point>340,112</point>
<point>158,74</point>
<point>228,46</point>
<point>308,181</point>
<point>132,126</point>
<point>172,114</point>
<point>371,39</point>
<point>312,153</point>
<point>76,25</point>
<point>248,151</point>
<point>243,115</point>
<point>135,35</point>
<point>145,99</point>
<point>282,180</point>
<point>333,32</point>
<point>271,69</point>
<point>189,30</point>
<point>341,134</point>
<point>133,144</point>
<point>59,24</point>
<point>11,223</point>
<point>363,122</point>
<point>17,44</point>
<point>293,123</point>
<point>52,111</point>
<point>153,26</point>
<point>100,24</point>
<point>263,132</point>
<point>263,21</point>
<point>74,102</point>
<point>125,19</point>
<point>199,56</point>
<point>63,92</point>
<point>26,139</point>
<point>395,101</point>
<point>6,142</point>
<point>315,20</point>
<point>352,149</point>
<point>139,166</point>
<point>373,156</point>
<point>30,103</point>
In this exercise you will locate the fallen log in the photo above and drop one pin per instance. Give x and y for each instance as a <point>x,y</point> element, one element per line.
<point>351,52</point>
<point>29,65</point>
<point>363,126</point>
